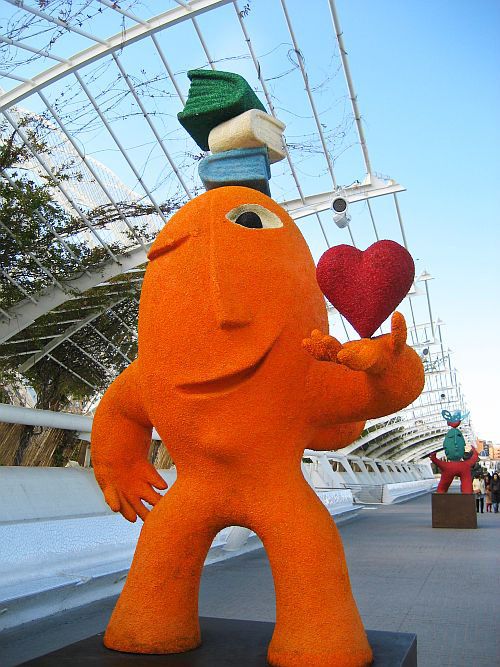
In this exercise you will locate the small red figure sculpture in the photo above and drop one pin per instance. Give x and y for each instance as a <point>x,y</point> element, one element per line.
<point>451,469</point>
<point>456,466</point>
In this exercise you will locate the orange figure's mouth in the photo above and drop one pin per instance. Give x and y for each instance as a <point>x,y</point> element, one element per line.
<point>226,382</point>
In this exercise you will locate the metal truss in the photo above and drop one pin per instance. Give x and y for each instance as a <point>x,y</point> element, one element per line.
<point>24,324</point>
<point>65,335</point>
<point>423,448</point>
<point>435,435</point>
<point>393,436</point>
<point>386,434</point>
<point>100,47</point>
<point>387,427</point>
<point>27,312</point>
<point>312,204</point>
<point>144,28</point>
<point>407,439</point>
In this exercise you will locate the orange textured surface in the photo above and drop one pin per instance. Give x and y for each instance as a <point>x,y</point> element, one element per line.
<point>228,375</point>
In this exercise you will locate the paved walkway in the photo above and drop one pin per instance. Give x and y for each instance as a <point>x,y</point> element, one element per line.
<point>442,585</point>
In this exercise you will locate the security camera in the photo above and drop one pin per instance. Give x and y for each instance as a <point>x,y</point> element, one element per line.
<point>424,354</point>
<point>340,207</point>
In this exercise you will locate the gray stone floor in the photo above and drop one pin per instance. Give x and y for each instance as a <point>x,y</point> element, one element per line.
<point>442,585</point>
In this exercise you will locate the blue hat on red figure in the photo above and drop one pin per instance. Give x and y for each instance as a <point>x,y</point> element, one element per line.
<point>453,419</point>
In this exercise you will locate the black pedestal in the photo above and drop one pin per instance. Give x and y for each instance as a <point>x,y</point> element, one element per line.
<point>454,510</point>
<point>226,643</point>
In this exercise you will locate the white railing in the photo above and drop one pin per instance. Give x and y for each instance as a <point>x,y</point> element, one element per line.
<point>370,480</point>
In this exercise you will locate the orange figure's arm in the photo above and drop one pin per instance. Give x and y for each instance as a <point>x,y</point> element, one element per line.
<point>336,437</point>
<point>372,378</point>
<point>121,437</point>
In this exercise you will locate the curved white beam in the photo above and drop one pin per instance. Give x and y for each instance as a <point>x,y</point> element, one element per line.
<point>371,187</point>
<point>400,419</point>
<point>350,85</point>
<point>100,50</point>
<point>396,444</point>
<point>67,333</point>
<point>372,435</point>
<point>305,78</point>
<point>427,448</point>
<point>435,434</point>
<point>389,430</point>
<point>25,312</point>
<point>422,451</point>
<point>385,449</point>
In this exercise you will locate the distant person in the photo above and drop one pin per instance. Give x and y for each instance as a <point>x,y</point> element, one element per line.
<point>487,495</point>
<point>495,492</point>
<point>478,488</point>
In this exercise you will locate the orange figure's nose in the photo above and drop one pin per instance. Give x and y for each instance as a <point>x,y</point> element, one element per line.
<point>231,312</point>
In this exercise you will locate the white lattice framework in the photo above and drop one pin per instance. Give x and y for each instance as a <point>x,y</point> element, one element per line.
<point>131,172</point>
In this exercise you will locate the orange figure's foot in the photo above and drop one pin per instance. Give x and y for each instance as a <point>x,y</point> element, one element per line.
<point>317,621</point>
<point>162,638</point>
<point>332,641</point>
<point>350,655</point>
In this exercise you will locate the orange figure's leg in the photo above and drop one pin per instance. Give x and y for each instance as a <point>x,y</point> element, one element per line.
<point>317,621</point>
<point>157,611</point>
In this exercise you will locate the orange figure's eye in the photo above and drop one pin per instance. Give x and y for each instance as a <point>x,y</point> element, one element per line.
<point>254,216</point>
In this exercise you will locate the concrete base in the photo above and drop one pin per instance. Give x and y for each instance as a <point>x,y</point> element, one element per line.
<point>225,643</point>
<point>454,510</point>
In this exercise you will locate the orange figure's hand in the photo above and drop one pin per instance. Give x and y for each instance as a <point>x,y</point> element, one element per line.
<point>374,377</point>
<point>375,355</point>
<point>322,346</point>
<point>125,487</point>
<point>121,438</point>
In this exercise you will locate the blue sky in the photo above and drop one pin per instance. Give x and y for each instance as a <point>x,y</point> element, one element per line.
<point>431,104</point>
<point>426,74</point>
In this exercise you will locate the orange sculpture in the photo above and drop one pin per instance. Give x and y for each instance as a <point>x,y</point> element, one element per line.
<point>232,379</point>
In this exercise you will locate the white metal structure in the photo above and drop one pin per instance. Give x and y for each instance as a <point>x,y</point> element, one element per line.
<point>103,100</point>
<point>371,480</point>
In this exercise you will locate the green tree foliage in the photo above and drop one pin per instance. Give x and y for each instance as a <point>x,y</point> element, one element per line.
<point>40,242</point>
<point>33,225</point>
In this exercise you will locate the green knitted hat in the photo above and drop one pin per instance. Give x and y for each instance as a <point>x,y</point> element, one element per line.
<point>214,97</point>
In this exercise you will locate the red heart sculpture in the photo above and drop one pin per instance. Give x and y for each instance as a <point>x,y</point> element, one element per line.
<point>366,287</point>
